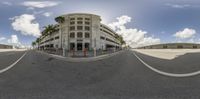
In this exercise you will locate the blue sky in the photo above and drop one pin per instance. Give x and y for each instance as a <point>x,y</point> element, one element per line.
<point>145,21</point>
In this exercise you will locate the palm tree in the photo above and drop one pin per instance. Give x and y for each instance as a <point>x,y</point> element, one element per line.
<point>38,42</point>
<point>49,29</point>
<point>60,20</point>
<point>33,43</point>
<point>121,39</point>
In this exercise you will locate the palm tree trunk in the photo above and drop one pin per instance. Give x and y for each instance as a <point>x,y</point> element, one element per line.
<point>60,36</point>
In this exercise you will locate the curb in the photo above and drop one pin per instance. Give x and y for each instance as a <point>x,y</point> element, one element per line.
<point>89,59</point>
<point>166,73</point>
<point>13,64</point>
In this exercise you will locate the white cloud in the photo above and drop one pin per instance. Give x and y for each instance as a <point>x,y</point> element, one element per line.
<point>185,34</point>
<point>7,3</point>
<point>47,14</point>
<point>133,37</point>
<point>2,38</point>
<point>25,25</point>
<point>38,12</point>
<point>40,4</point>
<point>15,41</point>
<point>178,5</point>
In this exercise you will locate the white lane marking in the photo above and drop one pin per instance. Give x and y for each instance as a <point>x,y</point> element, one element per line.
<point>12,65</point>
<point>166,73</point>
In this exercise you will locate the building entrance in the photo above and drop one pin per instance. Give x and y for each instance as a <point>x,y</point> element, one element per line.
<point>79,46</point>
<point>87,46</point>
<point>72,46</point>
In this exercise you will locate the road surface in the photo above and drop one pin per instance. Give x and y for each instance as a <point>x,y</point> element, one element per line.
<point>123,76</point>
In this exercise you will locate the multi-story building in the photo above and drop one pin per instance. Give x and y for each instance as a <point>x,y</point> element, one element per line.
<point>79,31</point>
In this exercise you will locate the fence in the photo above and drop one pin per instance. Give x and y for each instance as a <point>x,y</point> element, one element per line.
<point>84,53</point>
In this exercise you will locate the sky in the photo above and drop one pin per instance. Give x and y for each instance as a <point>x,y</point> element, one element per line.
<point>140,22</point>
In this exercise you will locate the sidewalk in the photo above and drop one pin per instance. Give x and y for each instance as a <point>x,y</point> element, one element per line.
<point>83,59</point>
<point>8,50</point>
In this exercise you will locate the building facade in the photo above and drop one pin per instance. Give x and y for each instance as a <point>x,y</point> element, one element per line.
<point>79,31</point>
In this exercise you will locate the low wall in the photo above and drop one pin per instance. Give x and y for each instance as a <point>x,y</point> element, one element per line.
<point>172,46</point>
<point>2,46</point>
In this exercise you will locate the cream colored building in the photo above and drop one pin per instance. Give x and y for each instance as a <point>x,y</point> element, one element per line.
<point>79,31</point>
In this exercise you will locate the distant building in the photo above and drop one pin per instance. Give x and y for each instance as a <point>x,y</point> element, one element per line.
<point>172,46</point>
<point>80,31</point>
<point>3,46</point>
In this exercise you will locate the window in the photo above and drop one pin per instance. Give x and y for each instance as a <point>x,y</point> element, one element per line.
<point>79,18</point>
<point>72,35</point>
<point>72,28</point>
<point>87,28</point>
<point>79,22</point>
<point>164,46</point>
<point>87,19</point>
<point>79,34</point>
<point>179,46</point>
<point>72,46</point>
<point>57,37</point>
<point>87,35</point>
<point>51,45</point>
<point>87,23</point>
<point>79,27</point>
<point>102,37</point>
<point>87,45</point>
<point>51,39</point>
<point>194,46</point>
<point>72,22</point>
<point>72,18</point>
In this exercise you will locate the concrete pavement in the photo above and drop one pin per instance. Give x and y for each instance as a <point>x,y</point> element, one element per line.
<point>11,50</point>
<point>122,76</point>
<point>7,58</point>
<point>82,59</point>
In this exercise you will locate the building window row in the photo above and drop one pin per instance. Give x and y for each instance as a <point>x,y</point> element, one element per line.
<point>107,32</point>
<point>106,28</point>
<point>72,22</point>
<point>79,35</point>
<point>80,18</point>
<point>51,39</point>
<point>79,22</point>
<point>107,39</point>
<point>79,28</point>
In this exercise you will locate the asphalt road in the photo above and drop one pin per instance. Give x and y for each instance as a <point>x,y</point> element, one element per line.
<point>123,76</point>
